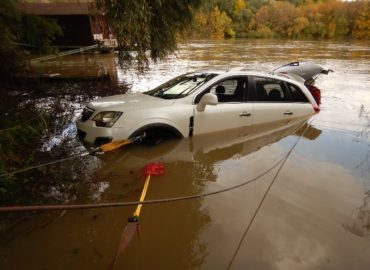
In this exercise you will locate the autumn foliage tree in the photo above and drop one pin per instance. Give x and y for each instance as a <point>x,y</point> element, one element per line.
<point>213,24</point>
<point>361,29</point>
<point>290,18</point>
<point>279,17</point>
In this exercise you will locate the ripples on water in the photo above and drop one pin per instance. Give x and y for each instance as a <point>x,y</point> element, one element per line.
<point>316,215</point>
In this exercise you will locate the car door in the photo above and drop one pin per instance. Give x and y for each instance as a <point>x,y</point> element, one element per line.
<point>232,111</point>
<point>299,104</point>
<point>270,101</point>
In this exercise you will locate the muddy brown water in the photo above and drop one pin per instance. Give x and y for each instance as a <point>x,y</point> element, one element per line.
<point>316,215</point>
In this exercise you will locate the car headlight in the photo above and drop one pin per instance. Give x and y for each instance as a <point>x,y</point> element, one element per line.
<point>106,119</point>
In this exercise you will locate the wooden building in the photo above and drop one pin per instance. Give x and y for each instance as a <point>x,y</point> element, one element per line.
<point>82,23</point>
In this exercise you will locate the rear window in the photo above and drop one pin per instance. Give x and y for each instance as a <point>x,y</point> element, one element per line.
<point>270,90</point>
<point>297,94</point>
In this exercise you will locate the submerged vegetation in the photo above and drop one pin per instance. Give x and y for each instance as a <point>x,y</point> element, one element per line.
<point>36,127</point>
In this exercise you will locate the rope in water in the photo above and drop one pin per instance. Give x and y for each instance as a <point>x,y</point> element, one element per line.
<point>123,204</point>
<point>154,201</point>
<point>45,164</point>
<point>263,199</point>
<point>102,149</point>
<point>22,124</point>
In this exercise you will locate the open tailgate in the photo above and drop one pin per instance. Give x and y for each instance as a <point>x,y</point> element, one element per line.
<point>305,70</point>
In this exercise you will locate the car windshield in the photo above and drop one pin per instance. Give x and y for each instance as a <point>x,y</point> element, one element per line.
<point>180,86</point>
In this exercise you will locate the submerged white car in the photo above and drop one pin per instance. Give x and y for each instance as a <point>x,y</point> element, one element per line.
<point>203,102</point>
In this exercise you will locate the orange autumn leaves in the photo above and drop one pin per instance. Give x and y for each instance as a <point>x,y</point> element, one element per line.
<point>283,19</point>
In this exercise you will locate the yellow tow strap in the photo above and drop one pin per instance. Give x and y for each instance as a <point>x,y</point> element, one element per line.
<point>142,197</point>
<point>114,145</point>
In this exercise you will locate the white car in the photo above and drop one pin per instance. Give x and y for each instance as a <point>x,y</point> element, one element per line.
<point>203,102</point>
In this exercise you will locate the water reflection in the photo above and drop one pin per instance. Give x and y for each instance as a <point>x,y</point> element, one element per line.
<point>361,218</point>
<point>79,66</point>
<point>301,223</point>
<point>172,232</point>
<point>204,152</point>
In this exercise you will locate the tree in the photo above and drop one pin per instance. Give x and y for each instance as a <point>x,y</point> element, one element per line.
<point>39,32</point>
<point>213,24</point>
<point>362,25</point>
<point>334,17</point>
<point>152,26</point>
<point>316,27</point>
<point>279,17</point>
<point>17,27</point>
<point>296,2</point>
<point>300,23</point>
<point>239,6</point>
<point>255,5</point>
<point>220,24</point>
<point>11,58</point>
<point>242,18</point>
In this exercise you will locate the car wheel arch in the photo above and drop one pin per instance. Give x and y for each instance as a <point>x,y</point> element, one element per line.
<point>165,131</point>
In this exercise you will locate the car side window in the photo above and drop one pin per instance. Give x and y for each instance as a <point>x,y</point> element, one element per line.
<point>230,90</point>
<point>270,90</point>
<point>297,94</point>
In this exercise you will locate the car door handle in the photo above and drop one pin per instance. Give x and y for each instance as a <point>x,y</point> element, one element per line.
<point>245,114</point>
<point>288,113</point>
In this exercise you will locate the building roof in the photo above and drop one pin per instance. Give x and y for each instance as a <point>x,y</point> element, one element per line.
<point>57,8</point>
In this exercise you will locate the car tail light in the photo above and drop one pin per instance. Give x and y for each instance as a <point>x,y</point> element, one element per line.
<point>316,108</point>
<point>316,93</point>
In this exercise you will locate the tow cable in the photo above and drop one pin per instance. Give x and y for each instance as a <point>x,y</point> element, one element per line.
<point>96,151</point>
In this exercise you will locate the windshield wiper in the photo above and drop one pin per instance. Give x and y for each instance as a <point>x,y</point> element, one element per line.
<point>185,81</point>
<point>187,89</point>
<point>159,93</point>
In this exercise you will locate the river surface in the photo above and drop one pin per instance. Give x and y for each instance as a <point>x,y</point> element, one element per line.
<point>315,216</point>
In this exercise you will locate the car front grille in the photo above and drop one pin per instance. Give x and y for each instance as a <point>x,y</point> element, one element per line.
<point>86,114</point>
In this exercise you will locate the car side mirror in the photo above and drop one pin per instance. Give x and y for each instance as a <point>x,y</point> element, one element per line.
<point>207,99</point>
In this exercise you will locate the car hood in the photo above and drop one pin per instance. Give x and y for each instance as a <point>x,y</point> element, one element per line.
<point>305,70</point>
<point>127,101</point>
